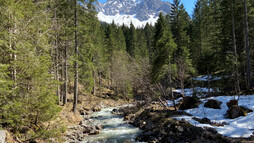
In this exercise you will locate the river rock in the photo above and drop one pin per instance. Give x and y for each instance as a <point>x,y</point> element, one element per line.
<point>115,111</point>
<point>82,112</point>
<point>163,128</point>
<point>179,129</point>
<point>149,125</point>
<point>87,108</point>
<point>146,136</point>
<point>98,127</point>
<point>96,108</point>
<point>94,132</point>
<point>2,136</point>
<point>205,120</point>
<point>212,130</point>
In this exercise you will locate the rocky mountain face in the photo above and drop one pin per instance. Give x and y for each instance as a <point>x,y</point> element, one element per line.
<point>139,11</point>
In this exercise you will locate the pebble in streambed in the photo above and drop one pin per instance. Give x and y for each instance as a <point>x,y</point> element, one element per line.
<point>115,130</point>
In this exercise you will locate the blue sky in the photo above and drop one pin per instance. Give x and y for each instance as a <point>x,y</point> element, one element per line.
<point>188,4</point>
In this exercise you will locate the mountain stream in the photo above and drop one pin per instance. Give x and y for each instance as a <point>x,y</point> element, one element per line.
<point>115,129</point>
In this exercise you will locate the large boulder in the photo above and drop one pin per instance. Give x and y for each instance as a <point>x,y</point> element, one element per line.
<point>211,103</point>
<point>235,111</point>
<point>232,103</point>
<point>2,136</point>
<point>190,102</point>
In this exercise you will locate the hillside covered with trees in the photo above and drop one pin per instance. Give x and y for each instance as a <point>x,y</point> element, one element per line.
<point>53,52</point>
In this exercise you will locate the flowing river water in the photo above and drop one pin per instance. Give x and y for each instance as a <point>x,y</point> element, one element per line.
<point>115,129</point>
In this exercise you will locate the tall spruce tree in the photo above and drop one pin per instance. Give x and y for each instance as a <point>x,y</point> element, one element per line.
<point>132,40</point>
<point>179,24</point>
<point>32,100</point>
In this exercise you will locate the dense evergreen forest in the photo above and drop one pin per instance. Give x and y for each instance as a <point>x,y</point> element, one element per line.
<point>54,48</point>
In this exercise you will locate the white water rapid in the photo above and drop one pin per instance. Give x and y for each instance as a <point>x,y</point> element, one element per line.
<point>115,130</point>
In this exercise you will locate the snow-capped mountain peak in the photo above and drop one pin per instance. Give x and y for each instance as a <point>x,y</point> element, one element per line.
<point>139,12</point>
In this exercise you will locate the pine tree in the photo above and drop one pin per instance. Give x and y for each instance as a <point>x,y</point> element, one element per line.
<point>32,100</point>
<point>132,41</point>
<point>141,51</point>
<point>121,45</point>
<point>91,44</point>
<point>164,49</point>
<point>179,24</point>
<point>149,33</point>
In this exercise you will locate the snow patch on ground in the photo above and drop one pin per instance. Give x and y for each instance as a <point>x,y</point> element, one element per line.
<point>170,103</point>
<point>206,77</point>
<point>120,19</point>
<point>200,91</point>
<point>239,127</point>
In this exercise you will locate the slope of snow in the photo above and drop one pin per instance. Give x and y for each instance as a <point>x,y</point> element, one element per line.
<point>126,20</point>
<point>239,127</point>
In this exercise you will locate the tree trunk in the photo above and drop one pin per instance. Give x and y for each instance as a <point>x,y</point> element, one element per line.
<point>237,86</point>
<point>171,86</point>
<point>56,59</point>
<point>13,55</point>
<point>56,70</point>
<point>75,63</point>
<point>94,79</point>
<point>182,86</point>
<point>247,46</point>
<point>208,83</point>
<point>111,79</point>
<point>62,78</point>
<point>172,94</point>
<point>100,82</point>
<point>65,76</point>
<point>66,66</point>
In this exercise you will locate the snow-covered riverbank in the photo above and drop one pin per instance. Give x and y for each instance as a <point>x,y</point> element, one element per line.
<point>239,127</point>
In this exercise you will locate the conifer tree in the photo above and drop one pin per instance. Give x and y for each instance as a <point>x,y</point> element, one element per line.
<point>32,101</point>
<point>164,49</point>
<point>141,51</point>
<point>90,44</point>
<point>149,33</point>
<point>121,44</point>
<point>132,41</point>
<point>179,25</point>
